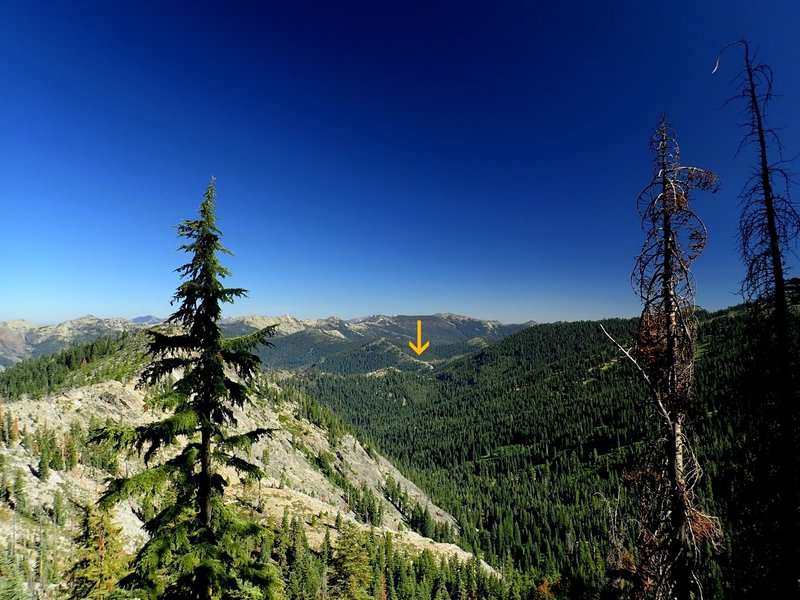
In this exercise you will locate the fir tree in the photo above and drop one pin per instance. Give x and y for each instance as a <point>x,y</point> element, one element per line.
<point>352,564</point>
<point>199,546</point>
<point>20,499</point>
<point>100,560</point>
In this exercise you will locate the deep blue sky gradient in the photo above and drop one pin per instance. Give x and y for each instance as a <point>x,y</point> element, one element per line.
<point>407,157</point>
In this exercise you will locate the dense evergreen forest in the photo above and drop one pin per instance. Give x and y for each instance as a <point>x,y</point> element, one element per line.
<point>530,443</point>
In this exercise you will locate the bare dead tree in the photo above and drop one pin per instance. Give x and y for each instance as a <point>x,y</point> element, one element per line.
<point>671,524</point>
<point>770,222</point>
<point>768,229</point>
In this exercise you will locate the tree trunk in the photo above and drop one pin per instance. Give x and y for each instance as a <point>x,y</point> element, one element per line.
<point>681,543</point>
<point>204,493</point>
<point>204,496</point>
<point>785,381</point>
<point>779,299</point>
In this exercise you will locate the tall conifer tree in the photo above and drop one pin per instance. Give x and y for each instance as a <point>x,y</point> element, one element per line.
<point>200,546</point>
<point>100,561</point>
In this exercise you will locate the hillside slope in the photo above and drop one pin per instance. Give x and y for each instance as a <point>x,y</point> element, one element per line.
<point>318,473</point>
<point>530,441</point>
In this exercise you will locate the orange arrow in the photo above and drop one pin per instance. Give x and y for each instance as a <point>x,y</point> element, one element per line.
<point>419,348</point>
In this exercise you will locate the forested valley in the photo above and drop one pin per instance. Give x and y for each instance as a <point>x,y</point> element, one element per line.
<point>531,443</point>
<point>648,458</point>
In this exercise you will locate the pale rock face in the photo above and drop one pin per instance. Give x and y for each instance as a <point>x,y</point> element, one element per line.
<point>19,325</point>
<point>334,333</point>
<point>287,324</point>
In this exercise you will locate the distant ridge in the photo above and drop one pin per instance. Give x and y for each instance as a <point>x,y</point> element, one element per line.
<point>20,339</point>
<point>327,344</point>
<point>348,346</point>
<point>146,320</point>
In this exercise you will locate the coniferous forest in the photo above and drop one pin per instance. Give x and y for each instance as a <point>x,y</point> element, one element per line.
<point>650,457</point>
<point>532,444</point>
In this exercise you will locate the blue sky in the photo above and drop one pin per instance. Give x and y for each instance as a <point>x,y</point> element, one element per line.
<point>371,157</point>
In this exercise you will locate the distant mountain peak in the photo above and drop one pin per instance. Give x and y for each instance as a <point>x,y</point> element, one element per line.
<point>87,318</point>
<point>146,320</point>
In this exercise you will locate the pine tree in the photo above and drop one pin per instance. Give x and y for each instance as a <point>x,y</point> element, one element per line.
<point>283,541</point>
<point>441,592</point>
<point>200,546</point>
<point>20,498</point>
<point>44,561</point>
<point>59,509</point>
<point>304,573</point>
<point>44,459</point>
<point>27,438</point>
<point>5,429</point>
<point>56,447</point>
<point>71,450</point>
<point>325,559</point>
<point>13,426</point>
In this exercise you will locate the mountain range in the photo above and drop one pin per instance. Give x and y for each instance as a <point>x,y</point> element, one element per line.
<point>332,344</point>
